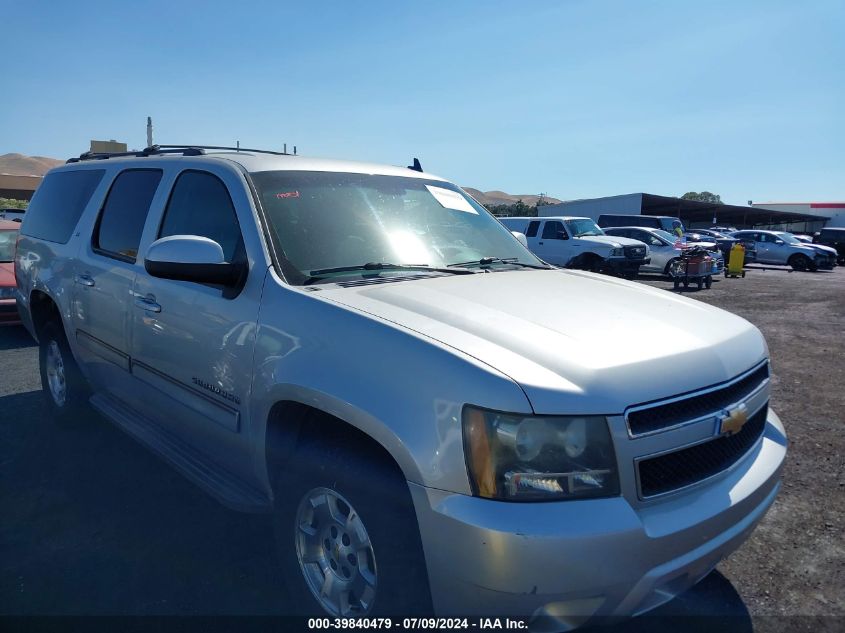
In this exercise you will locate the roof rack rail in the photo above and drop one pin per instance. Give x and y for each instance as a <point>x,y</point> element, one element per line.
<point>157,150</point>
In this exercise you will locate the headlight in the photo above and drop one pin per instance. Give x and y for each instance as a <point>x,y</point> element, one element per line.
<point>537,458</point>
<point>7,292</point>
<point>617,252</point>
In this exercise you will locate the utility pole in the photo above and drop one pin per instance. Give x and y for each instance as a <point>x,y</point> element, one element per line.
<point>149,131</point>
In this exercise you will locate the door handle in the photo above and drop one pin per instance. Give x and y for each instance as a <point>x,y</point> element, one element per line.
<point>540,243</point>
<point>147,303</point>
<point>84,280</point>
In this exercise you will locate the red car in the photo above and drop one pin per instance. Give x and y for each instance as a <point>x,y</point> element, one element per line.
<point>8,304</point>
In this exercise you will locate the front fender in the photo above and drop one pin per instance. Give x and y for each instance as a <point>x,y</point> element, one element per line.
<point>402,389</point>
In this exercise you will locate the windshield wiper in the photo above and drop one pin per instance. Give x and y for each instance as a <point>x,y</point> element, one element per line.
<point>316,275</point>
<point>486,261</point>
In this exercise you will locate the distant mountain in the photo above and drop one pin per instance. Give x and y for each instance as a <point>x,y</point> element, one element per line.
<point>21,165</point>
<point>492,198</point>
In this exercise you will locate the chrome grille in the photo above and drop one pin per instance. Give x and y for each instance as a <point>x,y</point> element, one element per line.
<point>663,414</point>
<point>682,468</point>
<point>635,252</point>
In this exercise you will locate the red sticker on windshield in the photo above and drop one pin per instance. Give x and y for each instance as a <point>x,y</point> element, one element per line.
<point>288,194</point>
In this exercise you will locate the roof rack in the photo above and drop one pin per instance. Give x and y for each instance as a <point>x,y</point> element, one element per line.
<point>158,150</point>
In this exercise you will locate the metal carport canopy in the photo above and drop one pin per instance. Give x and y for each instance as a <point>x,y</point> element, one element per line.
<point>692,211</point>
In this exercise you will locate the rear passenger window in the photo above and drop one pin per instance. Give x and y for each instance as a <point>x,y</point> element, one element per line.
<point>118,232</point>
<point>532,229</point>
<point>200,205</point>
<point>58,203</point>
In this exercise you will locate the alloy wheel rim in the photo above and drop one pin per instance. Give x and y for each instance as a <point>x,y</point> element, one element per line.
<point>56,374</point>
<point>335,553</point>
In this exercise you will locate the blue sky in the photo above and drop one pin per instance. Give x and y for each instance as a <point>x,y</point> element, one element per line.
<point>576,99</point>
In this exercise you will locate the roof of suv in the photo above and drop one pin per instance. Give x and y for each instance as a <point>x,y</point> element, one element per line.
<point>253,161</point>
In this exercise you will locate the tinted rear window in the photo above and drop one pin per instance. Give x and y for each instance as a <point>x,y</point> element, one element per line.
<point>57,204</point>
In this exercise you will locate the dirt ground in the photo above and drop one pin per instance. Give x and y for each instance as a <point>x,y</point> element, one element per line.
<point>92,523</point>
<point>794,563</point>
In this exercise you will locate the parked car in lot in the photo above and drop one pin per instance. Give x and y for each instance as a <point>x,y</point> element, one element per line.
<point>437,420</point>
<point>827,255</point>
<point>8,304</point>
<point>834,238</point>
<point>726,242</point>
<point>667,223</point>
<point>573,242</point>
<point>774,247</point>
<point>664,248</point>
<point>12,214</point>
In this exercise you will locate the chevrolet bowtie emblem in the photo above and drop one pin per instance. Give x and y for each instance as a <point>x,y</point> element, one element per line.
<point>732,420</point>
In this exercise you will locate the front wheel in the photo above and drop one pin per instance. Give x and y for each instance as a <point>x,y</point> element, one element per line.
<point>802,262</point>
<point>347,534</point>
<point>65,388</point>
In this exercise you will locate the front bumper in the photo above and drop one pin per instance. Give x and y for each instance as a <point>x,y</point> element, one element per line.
<point>622,265</point>
<point>566,562</point>
<point>9,312</point>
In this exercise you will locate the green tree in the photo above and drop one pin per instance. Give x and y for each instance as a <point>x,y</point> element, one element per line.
<point>703,196</point>
<point>12,203</point>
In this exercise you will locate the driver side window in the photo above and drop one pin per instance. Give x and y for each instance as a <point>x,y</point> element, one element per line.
<point>552,230</point>
<point>200,205</point>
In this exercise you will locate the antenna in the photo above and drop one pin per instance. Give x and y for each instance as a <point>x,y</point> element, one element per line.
<point>285,150</point>
<point>149,131</point>
<point>238,145</point>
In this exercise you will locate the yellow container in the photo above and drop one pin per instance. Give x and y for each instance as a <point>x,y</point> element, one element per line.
<point>736,261</point>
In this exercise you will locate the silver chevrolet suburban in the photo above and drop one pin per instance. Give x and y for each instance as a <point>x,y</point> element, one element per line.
<point>438,421</point>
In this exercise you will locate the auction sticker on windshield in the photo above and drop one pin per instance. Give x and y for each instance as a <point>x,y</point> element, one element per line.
<point>451,199</point>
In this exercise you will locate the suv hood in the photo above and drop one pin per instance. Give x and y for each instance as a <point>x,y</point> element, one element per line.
<point>575,342</point>
<point>610,240</point>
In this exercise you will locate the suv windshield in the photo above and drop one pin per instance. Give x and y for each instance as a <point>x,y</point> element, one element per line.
<point>7,245</point>
<point>326,220</point>
<point>582,227</point>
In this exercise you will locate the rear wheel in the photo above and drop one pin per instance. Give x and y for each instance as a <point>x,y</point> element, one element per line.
<point>65,388</point>
<point>347,533</point>
<point>666,271</point>
<point>708,282</point>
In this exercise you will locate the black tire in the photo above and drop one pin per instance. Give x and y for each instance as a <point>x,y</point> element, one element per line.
<point>73,406</point>
<point>669,265</point>
<point>700,283</point>
<point>801,262</point>
<point>376,490</point>
<point>708,282</point>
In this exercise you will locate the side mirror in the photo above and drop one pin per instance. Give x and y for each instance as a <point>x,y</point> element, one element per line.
<point>562,235</point>
<point>521,237</point>
<point>190,258</point>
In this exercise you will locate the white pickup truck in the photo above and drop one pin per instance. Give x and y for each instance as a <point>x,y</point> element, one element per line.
<point>574,242</point>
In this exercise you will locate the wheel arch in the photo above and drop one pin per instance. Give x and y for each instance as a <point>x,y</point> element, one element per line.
<point>43,309</point>
<point>291,419</point>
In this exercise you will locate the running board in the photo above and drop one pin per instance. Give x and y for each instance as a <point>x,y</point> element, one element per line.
<point>228,489</point>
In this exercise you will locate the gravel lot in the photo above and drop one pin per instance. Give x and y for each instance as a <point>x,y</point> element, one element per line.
<point>94,524</point>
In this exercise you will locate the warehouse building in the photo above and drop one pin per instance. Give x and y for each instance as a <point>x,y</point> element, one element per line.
<point>18,187</point>
<point>833,211</point>
<point>692,213</point>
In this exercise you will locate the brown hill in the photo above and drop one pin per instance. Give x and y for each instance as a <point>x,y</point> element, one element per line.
<point>21,165</point>
<point>492,198</point>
